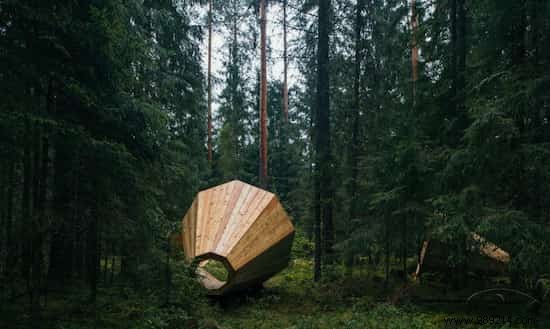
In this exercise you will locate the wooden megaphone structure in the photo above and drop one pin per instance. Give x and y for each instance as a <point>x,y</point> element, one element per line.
<point>241,227</point>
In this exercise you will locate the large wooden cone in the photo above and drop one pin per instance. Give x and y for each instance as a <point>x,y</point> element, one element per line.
<point>484,256</point>
<point>241,226</point>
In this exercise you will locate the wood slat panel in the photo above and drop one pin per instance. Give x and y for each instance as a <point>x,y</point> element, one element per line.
<point>201,211</point>
<point>214,217</point>
<point>233,220</point>
<point>193,226</point>
<point>208,204</point>
<point>232,197</point>
<point>273,220</point>
<point>186,235</point>
<point>274,259</point>
<point>242,225</point>
<point>222,211</point>
<point>253,210</point>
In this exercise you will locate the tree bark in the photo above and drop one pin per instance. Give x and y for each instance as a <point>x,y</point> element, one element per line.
<point>323,197</point>
<point>461,53</point>
<point>285,66</point>
<point>92,257</point>
<point>263,94</point>
<point>4,185</point>
<point>26,200</point>
<point>323,128</point>
<point>387,249</point>
<point>453,55</point>
<point>9,220</point>
<point>414,50</point>
<point>458,69</point>
<point>405,249</point>
<point>354,145</point>
<point>210,82</point>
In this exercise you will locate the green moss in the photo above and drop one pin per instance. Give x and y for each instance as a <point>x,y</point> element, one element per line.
<point>217,269</point>
<point>290,300</point>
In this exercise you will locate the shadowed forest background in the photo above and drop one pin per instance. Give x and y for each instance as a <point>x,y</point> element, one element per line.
<point>409,121</point>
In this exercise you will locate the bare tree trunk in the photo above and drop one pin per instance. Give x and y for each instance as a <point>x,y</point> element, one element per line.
<point>354,145</point>
<point>285,59</point>
<point>461,54</point>
<point>458,68</point>
<point>405,249</point>
<point>210,82</point>
<point>453,55</point>
<point>9,221</point>
<point>323,190</point>
<point>263,94</point>
<point>4,186</point>
<point>414,50</point>
<point>323,128</point>
<point>92,255</point>
<point>318,251</point>
<point>387,249</point>
<point>26,200</point>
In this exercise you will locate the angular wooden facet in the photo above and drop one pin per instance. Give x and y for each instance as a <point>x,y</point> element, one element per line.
<point>484,256</point>
<point>243,227</point>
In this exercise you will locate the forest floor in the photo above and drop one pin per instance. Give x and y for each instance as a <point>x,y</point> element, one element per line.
<point>292,300</point>
<point>289,300</point>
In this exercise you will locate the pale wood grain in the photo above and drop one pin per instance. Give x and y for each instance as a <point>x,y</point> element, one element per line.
<point>244,227</point>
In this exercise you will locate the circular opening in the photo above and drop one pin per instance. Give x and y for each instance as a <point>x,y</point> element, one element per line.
<point>213,273</point>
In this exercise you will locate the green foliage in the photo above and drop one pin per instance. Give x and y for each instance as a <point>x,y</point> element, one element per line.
<point>102,149</point>
<point>217,269</point>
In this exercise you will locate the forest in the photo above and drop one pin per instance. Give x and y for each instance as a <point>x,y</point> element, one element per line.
<point>408,141</point>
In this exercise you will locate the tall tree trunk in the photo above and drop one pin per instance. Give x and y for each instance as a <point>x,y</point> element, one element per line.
<point>63,247</point>
<point>323,138</point>
<point>461,58</point>
<point>323,197</point>
<point>453,55</point>
<point>458,69</point>
<point>10,248</point>
<point>9,220</point>
<point>26,200</point>
<point>4,185</point>
<point>92,255</point>
<point>285,65</point>
<point>414,50</point>
<point>405,249</point>
<point>318,251</point>
<point>263,94</point>
<point>210,82</point>
<point>387,249</point>
<point>354,145</point>
<point>35,225</point>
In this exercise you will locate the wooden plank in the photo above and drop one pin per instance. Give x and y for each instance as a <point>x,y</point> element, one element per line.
<point>193,225</point>
<point>222,212</point>
<point>206,230</point>
<point>258,205</point>
<point>272,260</point>
<point>214,216</point>
<point>186,236</point>
<point>273,220</point>
<point>203,205</point>
<point>233,221</point>
<point>232,197</point>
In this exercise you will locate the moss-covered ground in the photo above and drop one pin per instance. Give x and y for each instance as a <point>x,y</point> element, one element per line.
<point>289,300</point>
